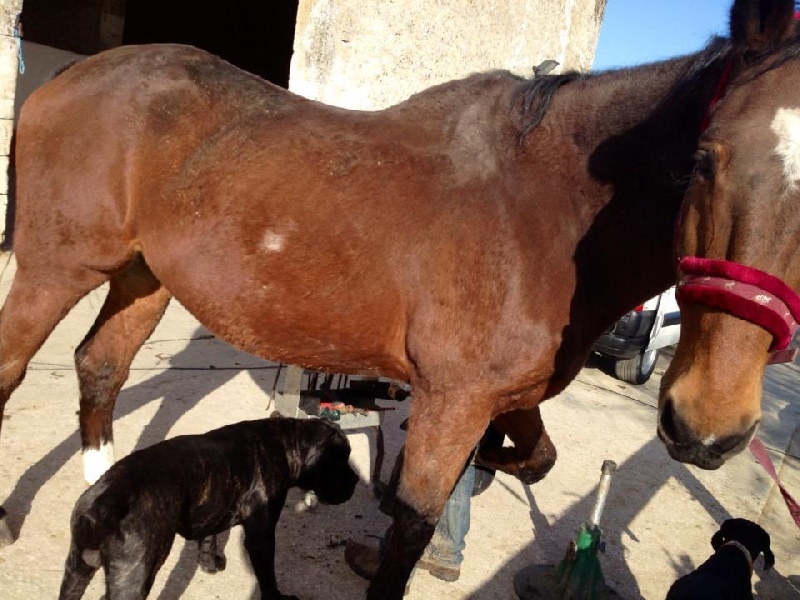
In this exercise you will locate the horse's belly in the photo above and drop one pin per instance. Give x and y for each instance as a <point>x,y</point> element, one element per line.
<point>293,310</point>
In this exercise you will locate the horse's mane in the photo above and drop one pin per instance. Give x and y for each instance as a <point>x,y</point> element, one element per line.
<point>533,96</point>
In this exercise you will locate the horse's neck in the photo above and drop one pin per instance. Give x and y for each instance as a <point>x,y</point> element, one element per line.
<point>630,102</point>
<point>638,152</point>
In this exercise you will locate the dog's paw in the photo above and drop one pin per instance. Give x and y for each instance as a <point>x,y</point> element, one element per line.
<point>308,503</point>
<point>211,563</point>
<point>7,536</point>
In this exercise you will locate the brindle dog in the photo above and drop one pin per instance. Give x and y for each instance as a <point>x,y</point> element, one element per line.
<point>197,486</point>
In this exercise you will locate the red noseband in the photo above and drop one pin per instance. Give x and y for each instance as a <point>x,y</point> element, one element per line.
<point>743,292</point>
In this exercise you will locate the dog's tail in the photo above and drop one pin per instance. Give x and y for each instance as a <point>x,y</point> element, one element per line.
<point>90,519</point>
<point>77,574</point>
<point>97,515</point>
<point>85,529</point>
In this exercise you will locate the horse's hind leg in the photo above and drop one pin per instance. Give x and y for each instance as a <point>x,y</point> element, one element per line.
<point>34,306</point>
<point>135,303</point>
<point>31,311</point>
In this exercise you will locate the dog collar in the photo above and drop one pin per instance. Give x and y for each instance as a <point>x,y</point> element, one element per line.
<point>744,550</point>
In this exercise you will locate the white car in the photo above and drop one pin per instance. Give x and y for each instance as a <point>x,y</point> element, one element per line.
<point>635,340</point>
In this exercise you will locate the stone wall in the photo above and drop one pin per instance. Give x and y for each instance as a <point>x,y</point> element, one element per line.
<point>369,55</point>
<point>9,64</point>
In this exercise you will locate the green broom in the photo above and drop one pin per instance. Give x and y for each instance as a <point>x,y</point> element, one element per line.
<point>578,576</point>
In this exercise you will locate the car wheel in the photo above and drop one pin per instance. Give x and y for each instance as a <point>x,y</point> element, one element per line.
<point>638,369</point>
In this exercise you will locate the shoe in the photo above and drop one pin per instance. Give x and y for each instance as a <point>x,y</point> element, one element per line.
<point>363,560</point>
<point>442,572</point>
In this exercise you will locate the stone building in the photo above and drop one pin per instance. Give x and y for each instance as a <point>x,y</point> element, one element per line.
<point>350,53</point>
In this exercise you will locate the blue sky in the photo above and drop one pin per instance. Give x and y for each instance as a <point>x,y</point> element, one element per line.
<point>640,31</point>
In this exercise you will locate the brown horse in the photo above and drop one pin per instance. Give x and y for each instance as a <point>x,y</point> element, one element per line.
<point>473,240</point>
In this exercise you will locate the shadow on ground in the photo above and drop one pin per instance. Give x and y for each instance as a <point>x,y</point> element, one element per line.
<point>634,486</point>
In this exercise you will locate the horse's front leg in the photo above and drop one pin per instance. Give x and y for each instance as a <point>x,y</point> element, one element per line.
<point>438,446</point>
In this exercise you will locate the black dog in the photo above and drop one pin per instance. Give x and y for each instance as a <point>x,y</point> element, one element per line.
<point>198,486</point>
<point>726,575</point>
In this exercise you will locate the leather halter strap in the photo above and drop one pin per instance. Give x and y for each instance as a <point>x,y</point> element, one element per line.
<point>760,453</point>
<point>722,87</point>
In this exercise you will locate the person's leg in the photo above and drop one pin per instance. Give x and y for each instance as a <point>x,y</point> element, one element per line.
<point>445,552</point>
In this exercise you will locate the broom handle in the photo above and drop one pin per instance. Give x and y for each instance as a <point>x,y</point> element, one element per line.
<point>608,470</point>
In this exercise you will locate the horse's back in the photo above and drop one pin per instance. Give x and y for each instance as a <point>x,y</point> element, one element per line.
<point>172,153</point>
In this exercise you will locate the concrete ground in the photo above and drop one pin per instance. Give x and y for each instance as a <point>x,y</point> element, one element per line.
<point>658,521</point>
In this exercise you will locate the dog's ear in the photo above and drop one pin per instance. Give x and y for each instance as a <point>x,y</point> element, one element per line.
<point>769,557</point>
<point>318,436</point>
<point>717,540</point>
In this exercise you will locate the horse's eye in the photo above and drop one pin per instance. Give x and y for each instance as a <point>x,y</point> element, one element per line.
<point>705,164</point>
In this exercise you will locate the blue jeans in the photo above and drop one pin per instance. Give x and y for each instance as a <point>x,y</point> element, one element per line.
<point>447,544</point>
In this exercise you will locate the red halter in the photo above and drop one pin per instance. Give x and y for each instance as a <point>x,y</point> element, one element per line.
<point>737,289</point>
<point>721,87</point>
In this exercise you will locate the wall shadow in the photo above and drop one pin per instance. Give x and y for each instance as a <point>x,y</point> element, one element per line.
<point>201,367</point>
<point>168,387</point>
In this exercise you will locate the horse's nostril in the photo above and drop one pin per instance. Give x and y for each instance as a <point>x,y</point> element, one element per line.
<point>667,419</point>
<point>672,426</point>
<point>734,443</point>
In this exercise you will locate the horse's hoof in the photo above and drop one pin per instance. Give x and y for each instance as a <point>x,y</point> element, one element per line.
<point>6,535</point>
<point>309,503</point>
<point>529,476</point>
<point>528,471</point>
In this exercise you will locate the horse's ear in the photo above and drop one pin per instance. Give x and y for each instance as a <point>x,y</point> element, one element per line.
<point>759,26</point>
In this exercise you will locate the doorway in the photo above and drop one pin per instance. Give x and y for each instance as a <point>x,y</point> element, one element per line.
<point>255,35</point>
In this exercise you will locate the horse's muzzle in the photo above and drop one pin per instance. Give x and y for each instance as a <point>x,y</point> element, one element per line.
<point>685,446</point>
